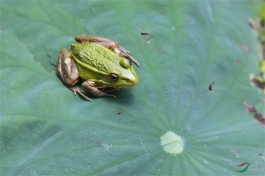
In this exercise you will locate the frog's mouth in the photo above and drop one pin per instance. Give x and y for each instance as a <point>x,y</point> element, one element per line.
<point>128,83</point>
<point>124,83</point>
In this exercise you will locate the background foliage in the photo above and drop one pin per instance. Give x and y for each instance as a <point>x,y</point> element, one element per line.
<point>46,130</point>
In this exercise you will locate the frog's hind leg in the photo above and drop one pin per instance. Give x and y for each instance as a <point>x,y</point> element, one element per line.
<point>110,44</point>
<point>66,68</point>
<point>96,39</point>
<point>67,71</point>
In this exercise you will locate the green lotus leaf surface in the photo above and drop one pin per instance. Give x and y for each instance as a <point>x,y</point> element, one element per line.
<point>196,58</point>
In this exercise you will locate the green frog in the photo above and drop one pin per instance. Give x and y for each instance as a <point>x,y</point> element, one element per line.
<point>101,64</point>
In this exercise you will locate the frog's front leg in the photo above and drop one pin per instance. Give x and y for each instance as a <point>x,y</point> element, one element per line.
<point>112,45</point>
<point>94,89</point>
<point>67,71</point>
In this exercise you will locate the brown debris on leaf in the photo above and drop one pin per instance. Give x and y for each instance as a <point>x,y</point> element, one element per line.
<point>245,47</point>
<point>258,81</point>
<point>258,78</point>
<point>259,117</point>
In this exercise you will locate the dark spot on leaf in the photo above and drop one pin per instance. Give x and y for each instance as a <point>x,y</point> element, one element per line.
<point>211,86</point>
<point>145,33</point>
<point>119,113</point>
<point>147,36</point>
<point>261,155</point>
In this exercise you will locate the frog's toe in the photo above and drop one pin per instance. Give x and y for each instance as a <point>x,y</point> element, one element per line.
<point>76,90</point>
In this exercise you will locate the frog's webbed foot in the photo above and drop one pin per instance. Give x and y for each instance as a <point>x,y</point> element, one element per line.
<point>76,90</point>
<point>90,86</point>
<point>112,45</point>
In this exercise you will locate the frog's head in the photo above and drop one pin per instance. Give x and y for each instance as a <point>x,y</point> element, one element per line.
<point>122,76</point>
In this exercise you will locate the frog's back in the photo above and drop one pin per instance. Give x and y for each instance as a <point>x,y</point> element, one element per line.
<point>95,56</point>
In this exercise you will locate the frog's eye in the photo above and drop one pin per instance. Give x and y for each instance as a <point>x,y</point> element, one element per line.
<point>114,76</point>
<point>125,63</point>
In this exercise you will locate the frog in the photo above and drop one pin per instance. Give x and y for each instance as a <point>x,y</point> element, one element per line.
<point>101,65</point>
